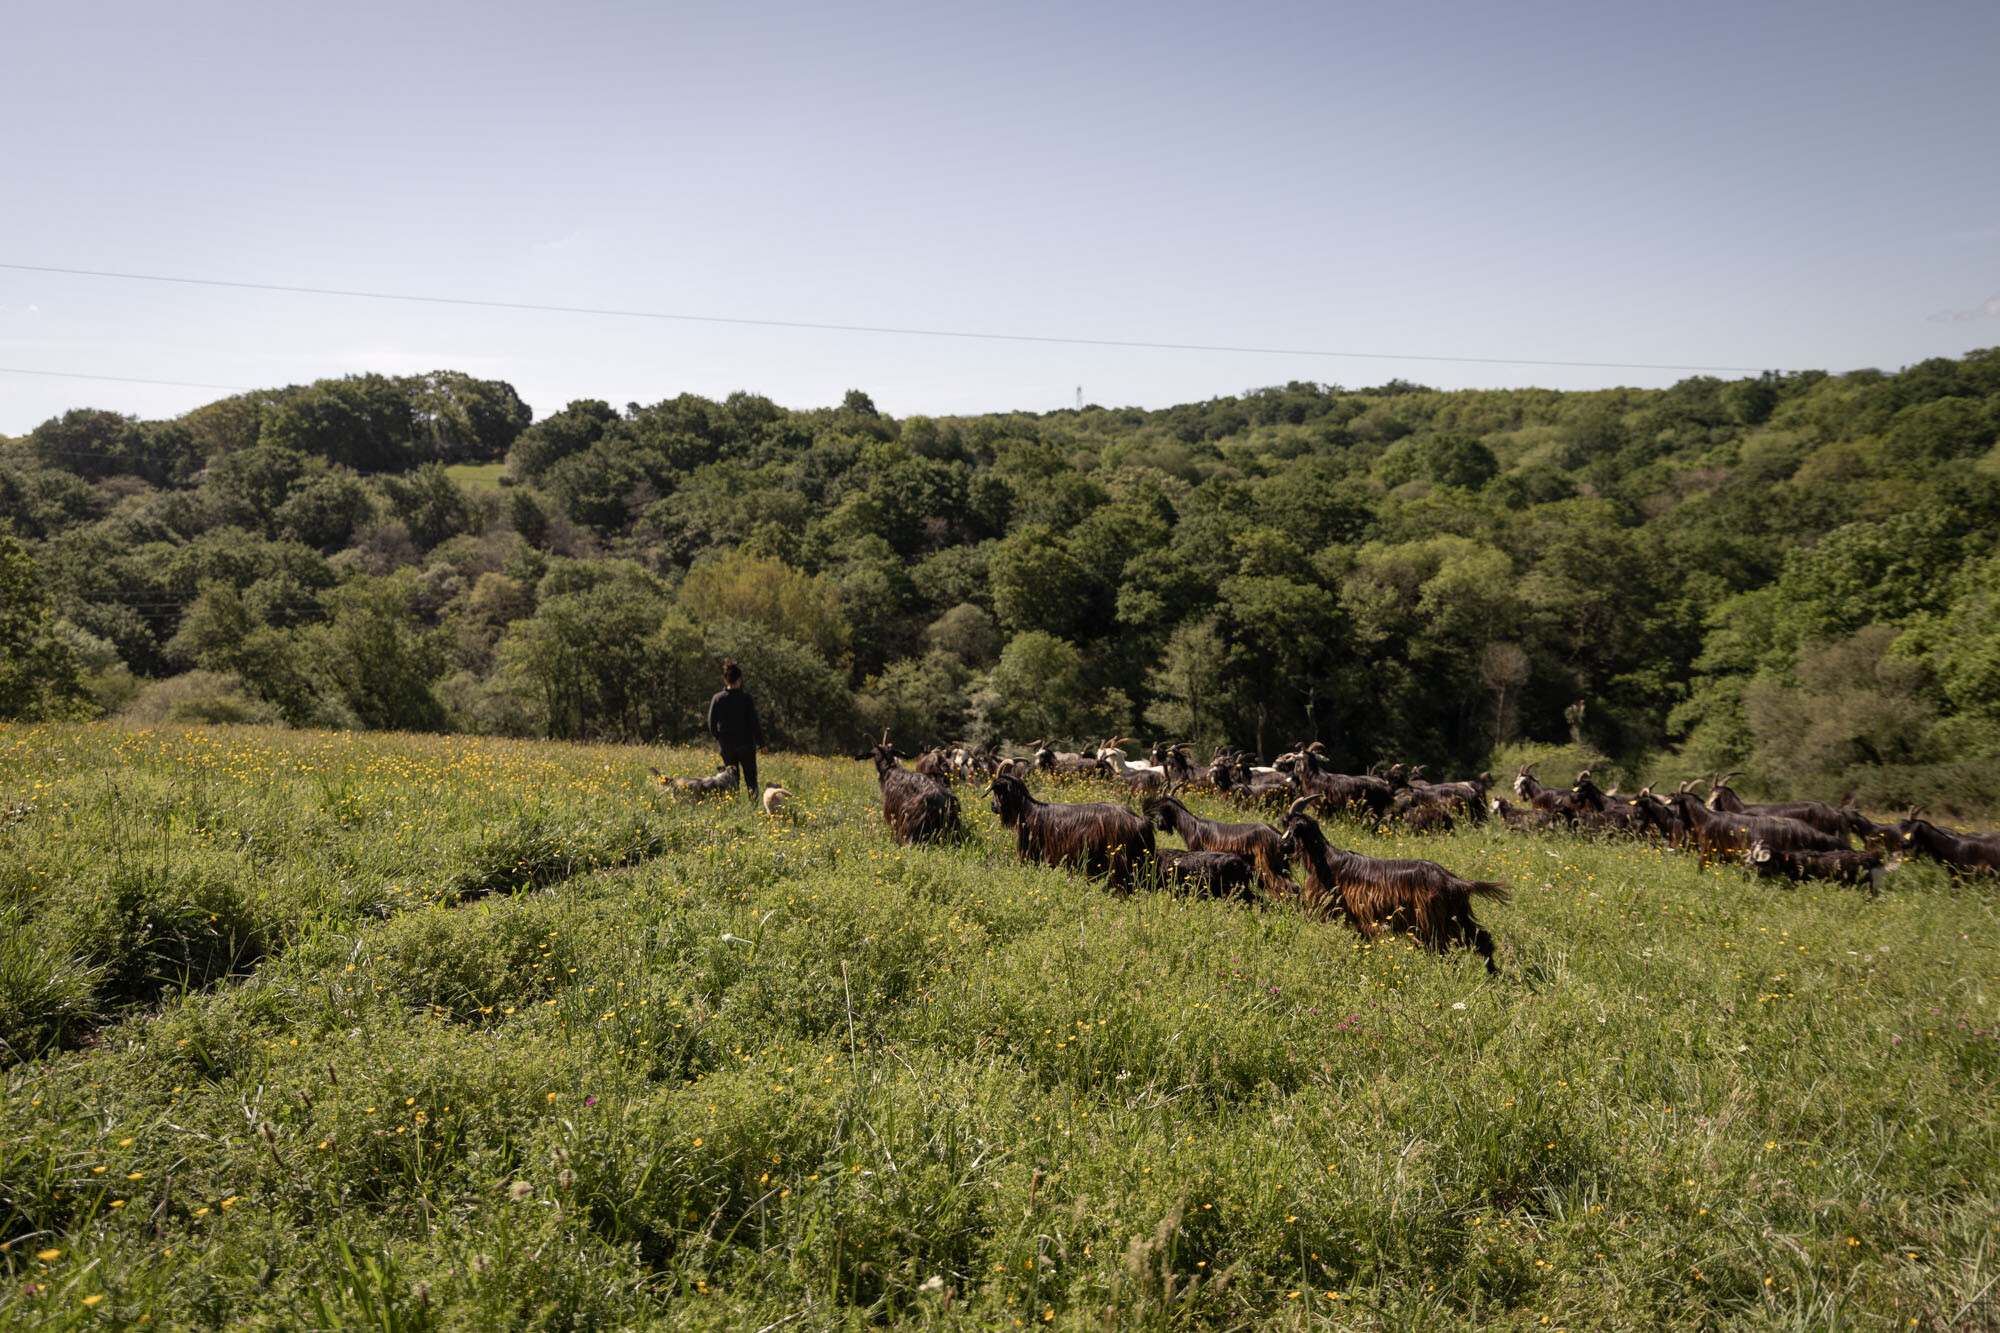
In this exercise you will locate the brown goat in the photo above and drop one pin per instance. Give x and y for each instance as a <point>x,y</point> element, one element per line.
<point>1257,842</point>
<point>1724,836</point>
<point>1101,836</point>
<point>917,807</point>
<point>1418,898</point>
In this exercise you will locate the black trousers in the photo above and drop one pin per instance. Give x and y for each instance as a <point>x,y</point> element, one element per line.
<point>745,759</point>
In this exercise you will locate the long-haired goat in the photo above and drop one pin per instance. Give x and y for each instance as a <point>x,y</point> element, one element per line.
<point>917,807</point>
<point>1257,842</point>
<point>1976,852</point>
<point>1555,800</point>
<point>1368,795</point>
<point>1418,898</point>
<point>1101,836</point>
<point>1818,814</point>
<point>1723,836</point>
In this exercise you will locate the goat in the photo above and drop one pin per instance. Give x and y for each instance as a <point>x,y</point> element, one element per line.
<point>1600,810</point>
<point>1418,898</point>
<point>1554,800</point>
<point>776,800</point>
<point>1105,838</point>
<point>1256,842</point>
<point>1516,817</point>
<point>1976,852</point>
<point>1826,818</point>
<point>1467,798</point>
<point>917,807</point>
<point>1846,866</point>
<point>1421,814</point>
<point>1141,781</point>
<point>1717,836</point>
<point>1342,793</point>
<point>1048,760</point>
<point>724,779</point>
<point>1878,837</point>
<point>1206,874</point>
<point>934,763</point>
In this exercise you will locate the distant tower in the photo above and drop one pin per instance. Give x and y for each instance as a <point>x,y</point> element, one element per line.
<point>1079,398</point>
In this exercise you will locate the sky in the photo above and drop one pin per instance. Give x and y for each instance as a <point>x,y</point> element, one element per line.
<point>1755,186</point>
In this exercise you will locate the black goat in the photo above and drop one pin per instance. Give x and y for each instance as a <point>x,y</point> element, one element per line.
<point>1847,866</point>
<point>1976,852</point>
<point>1554,800</point>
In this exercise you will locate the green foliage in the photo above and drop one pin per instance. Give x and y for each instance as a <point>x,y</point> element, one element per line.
<point>38,677</point>
<point>607,656</point>
<point>1398,571</point>
<point>764,590</point>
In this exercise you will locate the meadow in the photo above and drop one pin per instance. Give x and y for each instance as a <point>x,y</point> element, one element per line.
<point>317,1030</point>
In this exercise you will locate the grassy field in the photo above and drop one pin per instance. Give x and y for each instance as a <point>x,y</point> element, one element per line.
<point>394,1032</point>
<point>476,474</point>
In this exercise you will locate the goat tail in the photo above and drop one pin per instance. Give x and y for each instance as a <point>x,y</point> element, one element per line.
<point>1486,888</point>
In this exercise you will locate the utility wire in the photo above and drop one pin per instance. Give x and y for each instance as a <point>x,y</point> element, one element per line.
<point>122,379</point>
<point>615,313</point>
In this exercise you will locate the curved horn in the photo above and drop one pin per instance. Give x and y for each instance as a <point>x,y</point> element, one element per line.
<point>1297,807</point>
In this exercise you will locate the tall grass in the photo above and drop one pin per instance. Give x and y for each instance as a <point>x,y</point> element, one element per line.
<point>412,1032</point>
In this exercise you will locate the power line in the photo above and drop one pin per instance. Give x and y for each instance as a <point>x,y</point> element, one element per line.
<point>122,379</point>
<point>615,313</point>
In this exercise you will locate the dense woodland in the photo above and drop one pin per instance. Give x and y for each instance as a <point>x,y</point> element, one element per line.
<point>1797,575</point>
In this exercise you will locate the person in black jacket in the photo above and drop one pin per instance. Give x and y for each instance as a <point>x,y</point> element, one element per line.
<point>732,720</point>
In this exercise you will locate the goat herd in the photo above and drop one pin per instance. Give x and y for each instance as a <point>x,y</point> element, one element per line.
<point>1797,840</point>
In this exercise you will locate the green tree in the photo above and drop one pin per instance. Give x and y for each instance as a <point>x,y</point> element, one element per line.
<point>1190,686</point>
<point>429,503</point>
<point>38,677</point>
<point>1038,585</point>
<point>377,658</point>
<point>804,608</point>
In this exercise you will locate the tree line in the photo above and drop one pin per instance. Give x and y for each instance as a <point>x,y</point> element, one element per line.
<point>1794,574</point>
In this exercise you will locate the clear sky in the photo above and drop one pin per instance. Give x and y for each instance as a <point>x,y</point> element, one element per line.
<point>1741,184</point>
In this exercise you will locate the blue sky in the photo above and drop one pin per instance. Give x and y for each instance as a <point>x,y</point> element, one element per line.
<point>1759,185</point>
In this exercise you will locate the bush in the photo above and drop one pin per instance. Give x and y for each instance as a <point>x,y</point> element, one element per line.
<point>201,698</point>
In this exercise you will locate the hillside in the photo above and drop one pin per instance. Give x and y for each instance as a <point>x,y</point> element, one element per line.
<point>317,1031</point>
<point>1795,575</point>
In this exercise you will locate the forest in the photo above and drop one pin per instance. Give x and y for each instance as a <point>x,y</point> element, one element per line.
<point>1794,575</point>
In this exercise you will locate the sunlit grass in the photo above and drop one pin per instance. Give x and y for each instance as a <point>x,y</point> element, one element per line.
<point>397,1031</point>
